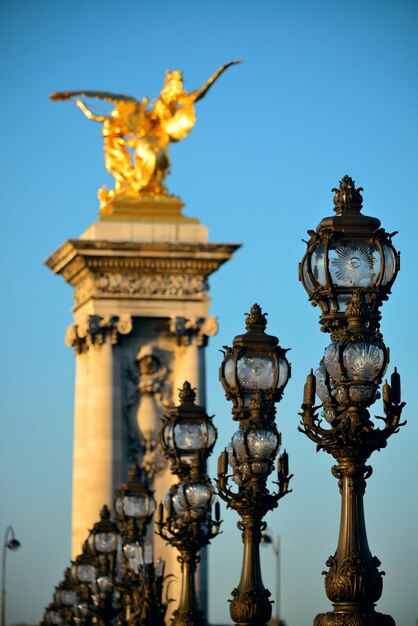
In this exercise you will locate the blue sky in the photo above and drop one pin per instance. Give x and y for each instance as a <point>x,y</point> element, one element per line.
<point>326,89</point>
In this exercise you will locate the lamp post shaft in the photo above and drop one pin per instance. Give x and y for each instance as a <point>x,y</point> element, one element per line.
<point>250,600</point>
<point>188,612</point>
<point>276,547</point>
<point>353,582</point>
<point>3,602</point>
<point>8,544</point>
<point>3,577</point>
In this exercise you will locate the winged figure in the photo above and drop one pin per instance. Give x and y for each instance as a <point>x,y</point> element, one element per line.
<point>137,134</point>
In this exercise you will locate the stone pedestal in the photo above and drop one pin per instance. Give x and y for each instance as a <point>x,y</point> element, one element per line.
<point>141,325</point>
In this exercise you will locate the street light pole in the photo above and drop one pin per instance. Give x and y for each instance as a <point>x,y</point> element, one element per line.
<point>8,544</point>
<point>348,271</point>
<point>274,542</point>
<point>254,373</point>
<point>187,439</point>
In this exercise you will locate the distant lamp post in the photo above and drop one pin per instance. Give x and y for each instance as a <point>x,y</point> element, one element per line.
<point>267,539</point>
<point>188,435</point>
<point>187,439</point>
<point>254,373</point>
<point>140,582</point>
<point>9,543</point>
<point>134,506</point>
<point>104,541</point>
<point>84,574</point>
<point>348,271</point>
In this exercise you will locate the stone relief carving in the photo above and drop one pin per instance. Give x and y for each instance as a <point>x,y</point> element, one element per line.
<point>142,284</point>
<point>187,328</point>
<point>96,329</point>
<point>152,284</point>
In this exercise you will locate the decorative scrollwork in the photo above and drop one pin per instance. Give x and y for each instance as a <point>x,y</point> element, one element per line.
<point>355,579</point>
<point>250,606</point>
<point>96,330</point>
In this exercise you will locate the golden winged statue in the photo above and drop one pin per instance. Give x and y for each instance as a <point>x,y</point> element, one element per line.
<point>137,134</point>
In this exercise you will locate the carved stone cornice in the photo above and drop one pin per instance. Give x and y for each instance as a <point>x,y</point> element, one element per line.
<point>121,269</point>
<point>96,330</point>
<point>187,328</point>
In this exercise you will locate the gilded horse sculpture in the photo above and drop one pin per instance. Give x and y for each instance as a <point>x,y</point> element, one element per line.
<point>137,134</point>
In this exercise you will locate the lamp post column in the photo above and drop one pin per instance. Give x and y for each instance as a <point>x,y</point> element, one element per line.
<point>254,373</point>
<point>8,544</point>
<point>348,270</point>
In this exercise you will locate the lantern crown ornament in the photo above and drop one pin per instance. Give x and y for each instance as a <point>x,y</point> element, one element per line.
<point>350,265</point>
<point>255,371</point>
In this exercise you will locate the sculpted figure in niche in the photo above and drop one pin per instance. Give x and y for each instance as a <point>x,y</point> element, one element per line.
<point>145,405</point>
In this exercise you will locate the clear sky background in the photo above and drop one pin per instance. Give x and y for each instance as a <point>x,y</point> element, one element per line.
<point>327,88</point>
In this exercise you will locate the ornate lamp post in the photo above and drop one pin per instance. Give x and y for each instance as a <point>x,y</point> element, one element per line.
<point>348,270</point>
<point>187,439</point>
<point>134,506</point>
<point>84,574</point>
<point>9,543</point>
<point>104,541</point>
<point>254,373</point>
<point>141,583</point>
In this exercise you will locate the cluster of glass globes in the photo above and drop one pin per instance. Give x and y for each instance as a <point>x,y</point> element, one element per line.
<point>252,453</point>
<point>139,556</point>
<point>350,373</point>
<point>191,502</point>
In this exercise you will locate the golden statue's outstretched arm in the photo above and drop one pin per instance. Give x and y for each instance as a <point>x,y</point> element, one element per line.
<point>200,93</point>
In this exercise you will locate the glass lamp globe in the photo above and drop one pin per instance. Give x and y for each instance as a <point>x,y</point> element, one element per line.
<point>54,617</point>
<point>66,597</point>
<point>83,569</point>
<point>84,573</point>
<point>103,539</point>
<point>134,499</point>
<point>355,368</point>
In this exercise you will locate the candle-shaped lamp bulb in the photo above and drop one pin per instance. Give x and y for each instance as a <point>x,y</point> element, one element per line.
<point>395,383</point>
<point>309,389</point>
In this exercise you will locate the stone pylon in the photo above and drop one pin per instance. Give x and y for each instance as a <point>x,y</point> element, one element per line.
<point>141,326</point>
